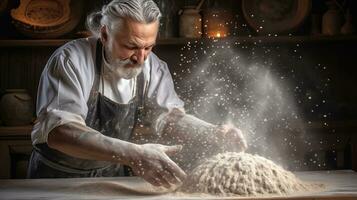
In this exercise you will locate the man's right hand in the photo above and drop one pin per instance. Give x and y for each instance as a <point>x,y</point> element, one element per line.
<point>152,163</point>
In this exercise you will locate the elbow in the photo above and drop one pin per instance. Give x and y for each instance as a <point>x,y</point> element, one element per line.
<point>52,140</point>
<point>65,136</point>
<point>55,138</point>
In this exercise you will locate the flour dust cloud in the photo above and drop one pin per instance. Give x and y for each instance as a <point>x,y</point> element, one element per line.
<point>223,81</point>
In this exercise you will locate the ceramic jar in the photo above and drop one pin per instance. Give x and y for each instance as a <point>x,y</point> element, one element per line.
<point>16,108</point>
<point>332,19</point>
<point>348,27</point>
<point>190,23</point>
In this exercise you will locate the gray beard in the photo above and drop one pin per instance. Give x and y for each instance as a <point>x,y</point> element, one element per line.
<point>117,66</point>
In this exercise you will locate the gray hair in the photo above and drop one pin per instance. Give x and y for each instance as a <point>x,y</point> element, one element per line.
<point>113,14</point>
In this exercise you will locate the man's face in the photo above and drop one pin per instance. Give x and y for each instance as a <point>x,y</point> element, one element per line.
<point>127,49</point>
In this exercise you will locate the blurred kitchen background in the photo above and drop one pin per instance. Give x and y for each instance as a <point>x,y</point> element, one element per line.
<point>307,45</point>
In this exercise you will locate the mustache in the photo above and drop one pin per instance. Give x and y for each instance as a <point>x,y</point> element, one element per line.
<point>120,62</point>
<point>125,63</point>
<point>124,68</point>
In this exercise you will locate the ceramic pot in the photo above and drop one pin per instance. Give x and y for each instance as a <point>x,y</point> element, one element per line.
<point>332,20</point>
<point>190,23</point>
<point>16,108</point>
<point>348,27</point>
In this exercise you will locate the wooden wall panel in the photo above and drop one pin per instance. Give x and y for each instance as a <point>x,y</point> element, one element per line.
<point>21,67</point>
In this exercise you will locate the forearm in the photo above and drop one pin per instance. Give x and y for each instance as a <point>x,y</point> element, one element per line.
<point>185,127</point>
<point>191,131</point>
<point>86,143</point>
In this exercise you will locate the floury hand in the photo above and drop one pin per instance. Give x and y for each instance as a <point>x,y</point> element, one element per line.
<point>231,137</point>
<point>152,163</point>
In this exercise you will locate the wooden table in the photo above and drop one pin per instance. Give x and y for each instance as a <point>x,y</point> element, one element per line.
<point>340,185</point>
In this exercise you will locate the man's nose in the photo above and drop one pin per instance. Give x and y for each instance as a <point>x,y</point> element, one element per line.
<point>139,56</point>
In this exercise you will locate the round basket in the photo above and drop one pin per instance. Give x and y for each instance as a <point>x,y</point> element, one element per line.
<point>275,16</point>
<point>46,18</point>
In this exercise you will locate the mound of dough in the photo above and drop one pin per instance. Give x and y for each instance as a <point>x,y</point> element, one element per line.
<point>242,174</point>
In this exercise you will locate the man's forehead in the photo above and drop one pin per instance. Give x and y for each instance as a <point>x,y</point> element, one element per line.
<point>138,28</point>
<point>139,34</point>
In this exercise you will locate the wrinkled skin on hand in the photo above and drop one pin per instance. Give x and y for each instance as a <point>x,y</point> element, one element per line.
<point>231,137</point>
<point>153,164</point>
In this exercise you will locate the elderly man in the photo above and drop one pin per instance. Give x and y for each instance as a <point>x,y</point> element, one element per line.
<point>94,91</point>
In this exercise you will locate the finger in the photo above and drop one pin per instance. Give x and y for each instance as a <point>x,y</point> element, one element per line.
<point>160,177</point>
<point>221,129</point>
<point>175,170</point>
<point>171,150</point>
<point>235,134</point>
<point>170,177</point>
<point>241,139</point>
<point>153,181</point>
<point>244,145</point>
<point>235,139</point>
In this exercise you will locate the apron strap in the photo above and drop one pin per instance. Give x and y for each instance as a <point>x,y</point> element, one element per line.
<point>98,72</point>
<point>98,57</point>
<point>140,98</point>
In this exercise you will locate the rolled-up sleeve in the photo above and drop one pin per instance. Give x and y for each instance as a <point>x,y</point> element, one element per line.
<point>162,97</point>
<point>161,91</point>
<point>62,96</point>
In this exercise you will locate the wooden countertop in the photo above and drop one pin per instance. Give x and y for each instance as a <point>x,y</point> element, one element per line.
<point>340,185</point>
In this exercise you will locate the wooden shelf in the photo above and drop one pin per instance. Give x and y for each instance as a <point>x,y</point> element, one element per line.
<point>297,39</point>
<point>33,43</point>
<point>265,39</point>
<point>15,132</point>
<point>182,41</point>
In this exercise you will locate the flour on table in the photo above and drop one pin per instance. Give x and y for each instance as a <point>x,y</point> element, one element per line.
<point>242,174</point>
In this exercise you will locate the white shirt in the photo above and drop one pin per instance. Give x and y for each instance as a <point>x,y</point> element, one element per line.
<point>67,79</point>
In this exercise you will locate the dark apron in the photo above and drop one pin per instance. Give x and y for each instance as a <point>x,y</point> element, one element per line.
<point>109,118</point>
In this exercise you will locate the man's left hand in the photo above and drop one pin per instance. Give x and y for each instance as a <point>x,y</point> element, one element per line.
<point>232,138</point>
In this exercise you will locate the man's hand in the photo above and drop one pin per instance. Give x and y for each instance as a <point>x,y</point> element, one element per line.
<point>152,163</point>
<point>231,137</point>
<point>149,161</point>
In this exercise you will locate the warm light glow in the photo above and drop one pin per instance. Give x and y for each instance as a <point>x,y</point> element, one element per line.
<point>217,23</point>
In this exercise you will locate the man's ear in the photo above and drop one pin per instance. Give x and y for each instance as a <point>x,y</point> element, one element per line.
<point>103,34</point>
